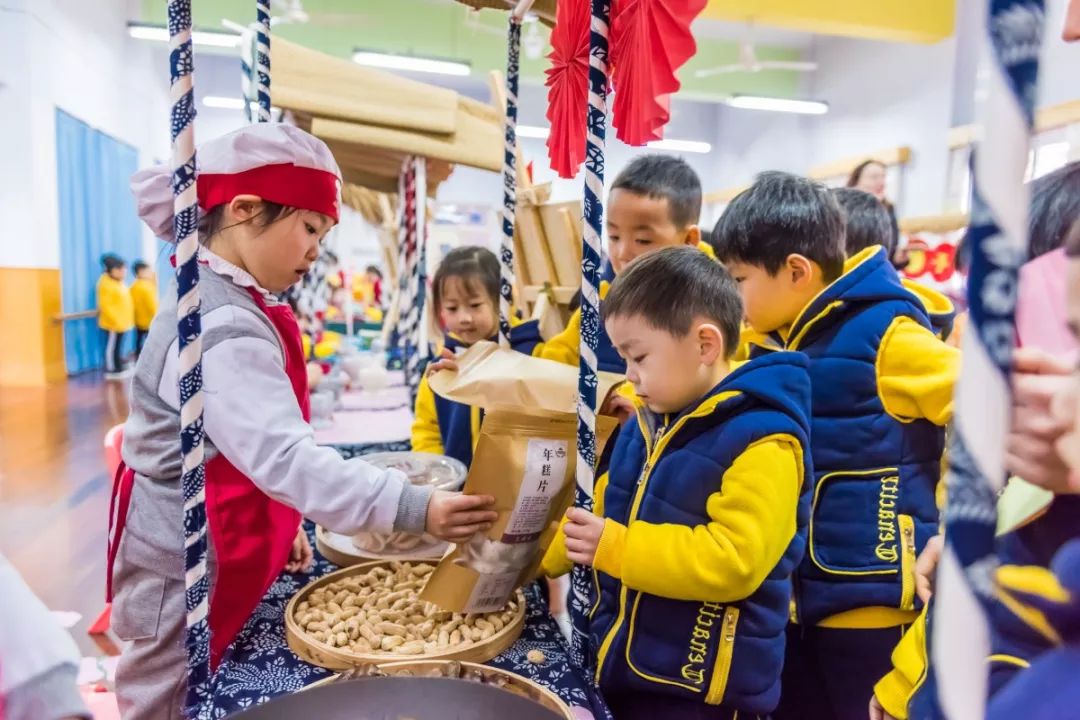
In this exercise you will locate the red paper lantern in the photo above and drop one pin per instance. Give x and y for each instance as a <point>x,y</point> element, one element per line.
<point>568,87</point>
<point>650,41</point>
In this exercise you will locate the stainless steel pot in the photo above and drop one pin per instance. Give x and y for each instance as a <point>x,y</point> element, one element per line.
<point>401,698</point>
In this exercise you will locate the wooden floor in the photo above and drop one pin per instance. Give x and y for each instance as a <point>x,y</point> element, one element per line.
<point>54,493</point>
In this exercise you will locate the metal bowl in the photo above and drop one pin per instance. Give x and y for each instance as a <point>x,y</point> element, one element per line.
<point>442,473</point>
<point>438,471</point>
<point>401,698</point>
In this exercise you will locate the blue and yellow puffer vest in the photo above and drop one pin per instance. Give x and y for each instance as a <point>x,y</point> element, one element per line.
<point>456,424</point>
<point>1050,599</point>
<point>939,308</point>
<point>1017,639</point>
<point>874,476</point>
<point>721,653</point>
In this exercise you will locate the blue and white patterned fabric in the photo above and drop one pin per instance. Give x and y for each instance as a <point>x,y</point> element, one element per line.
<point>259,666</point>
<point>506,247</point>
<point>581,586</point>
<point>413,320</point>
<point>998,236</point>
<point>189,322</point>
<point>262,58</point>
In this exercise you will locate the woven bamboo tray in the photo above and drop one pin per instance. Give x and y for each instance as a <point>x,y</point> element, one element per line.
<point>335,658</point>
<point>536,692</point>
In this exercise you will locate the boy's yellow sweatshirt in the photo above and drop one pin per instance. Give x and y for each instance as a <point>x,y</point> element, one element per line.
<point>883,386</point>
<point>116,311</point>
<point>145,299</point>
<point>1020,505</point>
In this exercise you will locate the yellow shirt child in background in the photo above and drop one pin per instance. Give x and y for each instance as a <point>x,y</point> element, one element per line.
<point>116,312</point>
<point>465,292</point>
<point>144,296</point>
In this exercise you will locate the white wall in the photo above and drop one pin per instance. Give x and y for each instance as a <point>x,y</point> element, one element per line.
<point>74,55</point>
<point>884,95</point>
<point>748,142</point>
<point>17,226</point>
<point>1060,61</point>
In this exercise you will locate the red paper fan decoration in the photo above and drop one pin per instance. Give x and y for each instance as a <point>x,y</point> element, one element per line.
<point>568,87</point>
<point>650,41</point>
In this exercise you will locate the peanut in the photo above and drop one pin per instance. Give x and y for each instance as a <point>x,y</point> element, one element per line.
<point>379,612</point>
<point>392,641</point>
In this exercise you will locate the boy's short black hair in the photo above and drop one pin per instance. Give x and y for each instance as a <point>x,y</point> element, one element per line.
<point>112,262</point>
<point>139,265</point>
<point>1055,205</point>
<point>1052,220</point>
<point>667,177</point>
<point>1072,242</point>
<point>868,221</point>
<point>778,215</point>
<point>671,287</point>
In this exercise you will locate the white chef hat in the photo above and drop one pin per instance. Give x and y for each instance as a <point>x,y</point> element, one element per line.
<point>279,163</point>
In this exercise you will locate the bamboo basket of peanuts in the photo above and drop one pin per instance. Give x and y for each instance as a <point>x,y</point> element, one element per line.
<point>371,614</point>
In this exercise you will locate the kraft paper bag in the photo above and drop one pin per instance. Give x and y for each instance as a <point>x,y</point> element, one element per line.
<point>489,376</point>
<point>526,461</point>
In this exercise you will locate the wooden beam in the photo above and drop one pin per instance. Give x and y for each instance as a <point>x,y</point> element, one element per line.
<point>962,136</point>
<point>1056,116</point>
<point>934,223</point>
<point>1047,118</point>
<point>563,294</point>
<point>892,156</point>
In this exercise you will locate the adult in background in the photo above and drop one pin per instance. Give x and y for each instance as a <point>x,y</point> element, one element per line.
<point>870,177</point>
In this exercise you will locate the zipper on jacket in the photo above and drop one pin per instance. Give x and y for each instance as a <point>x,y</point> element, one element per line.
<point>907,562</point>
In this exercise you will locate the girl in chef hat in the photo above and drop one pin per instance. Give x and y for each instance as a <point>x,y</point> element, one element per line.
<point>268,195</point>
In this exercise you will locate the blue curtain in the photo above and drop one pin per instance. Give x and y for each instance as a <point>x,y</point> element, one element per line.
<point>97,216</point>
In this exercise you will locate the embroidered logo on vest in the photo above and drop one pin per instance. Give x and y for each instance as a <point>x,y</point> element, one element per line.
<point>694,669</point>
<point>887,495</point>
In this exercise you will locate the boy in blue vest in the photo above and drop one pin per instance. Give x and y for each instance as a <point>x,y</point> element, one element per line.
<point>701,518</point>
<point>882,385</point>
<point>654,203</point>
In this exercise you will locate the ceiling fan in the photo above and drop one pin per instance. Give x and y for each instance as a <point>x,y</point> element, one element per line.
<point>749,62</point>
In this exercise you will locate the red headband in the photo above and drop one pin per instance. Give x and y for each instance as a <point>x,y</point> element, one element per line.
<point>285,184</point>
